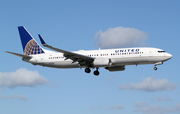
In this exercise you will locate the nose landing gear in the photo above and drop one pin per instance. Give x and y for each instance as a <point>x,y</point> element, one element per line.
<point>155,68</point>
<point>158,63</point>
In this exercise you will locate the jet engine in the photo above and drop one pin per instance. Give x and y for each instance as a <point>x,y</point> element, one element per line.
<point>116,68</point>
<point>102,62</point>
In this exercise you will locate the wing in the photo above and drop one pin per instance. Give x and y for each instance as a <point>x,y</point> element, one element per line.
<point>19,55</point>
<point>75,57</point>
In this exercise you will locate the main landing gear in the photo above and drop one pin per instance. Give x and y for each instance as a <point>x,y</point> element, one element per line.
<point>96,72</point>
<point>88,70</point>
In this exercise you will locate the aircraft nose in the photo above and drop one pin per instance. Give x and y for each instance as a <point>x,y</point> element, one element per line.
<point>169,56</point>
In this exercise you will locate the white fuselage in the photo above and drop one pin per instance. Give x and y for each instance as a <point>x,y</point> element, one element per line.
<point>118,57</point>
<point>110,59</point>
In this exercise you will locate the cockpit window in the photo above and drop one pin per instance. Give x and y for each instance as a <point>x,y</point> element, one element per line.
<point>161,51</point>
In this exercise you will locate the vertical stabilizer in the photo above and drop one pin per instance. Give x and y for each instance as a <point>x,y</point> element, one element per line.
<point>30,46</point>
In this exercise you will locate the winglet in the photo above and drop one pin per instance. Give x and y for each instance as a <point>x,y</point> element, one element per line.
<point>42,40</point>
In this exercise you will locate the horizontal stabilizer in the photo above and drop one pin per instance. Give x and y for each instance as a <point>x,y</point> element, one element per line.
<point>19,55</point>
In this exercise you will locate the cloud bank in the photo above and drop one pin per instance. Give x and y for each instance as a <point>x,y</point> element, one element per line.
<point>156,109</point>
<point>113,107</point>
<point>150,84</point>
<point>140,104</point>
<point>118,107</point>
<point>120,37</point>
<point>21,77</point>
<point>167,98</point>
<point>12,96</point>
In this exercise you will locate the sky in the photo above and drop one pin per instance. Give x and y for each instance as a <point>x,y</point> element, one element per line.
<point>88,25</point>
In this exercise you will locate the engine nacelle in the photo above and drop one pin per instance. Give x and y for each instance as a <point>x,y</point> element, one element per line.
<point>116,68</point>
<point>102,62</point>
<point>158,63</point>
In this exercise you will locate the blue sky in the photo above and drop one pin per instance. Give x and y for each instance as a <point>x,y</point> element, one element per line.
<point>74,25</point>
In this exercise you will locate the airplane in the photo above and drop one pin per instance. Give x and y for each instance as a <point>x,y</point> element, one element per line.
<point>110,59</point>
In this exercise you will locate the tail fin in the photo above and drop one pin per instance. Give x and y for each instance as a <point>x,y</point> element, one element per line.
<point>30,46</point>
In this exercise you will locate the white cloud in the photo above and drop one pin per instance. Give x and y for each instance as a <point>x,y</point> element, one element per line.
<point>116,107</point>
<point>12,96</point>
<point>120,37</point>
<point>155,109</point>
<point>21,77</point>
<point>167,98</point>
<point>150,84</point>
<point>140,104</point>
<point>2,97</point>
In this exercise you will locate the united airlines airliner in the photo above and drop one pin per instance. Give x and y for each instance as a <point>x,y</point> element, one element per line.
<point>110,59</point>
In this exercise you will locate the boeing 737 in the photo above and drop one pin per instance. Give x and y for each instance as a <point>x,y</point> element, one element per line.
<point>110,59</point>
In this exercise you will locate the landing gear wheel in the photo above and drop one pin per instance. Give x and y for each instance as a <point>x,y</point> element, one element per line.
<point>87,70</point>
<point>155,68</point>
<point>96,72</point>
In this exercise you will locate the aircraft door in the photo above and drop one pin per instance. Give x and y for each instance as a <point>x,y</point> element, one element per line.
<point>150,53</point>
